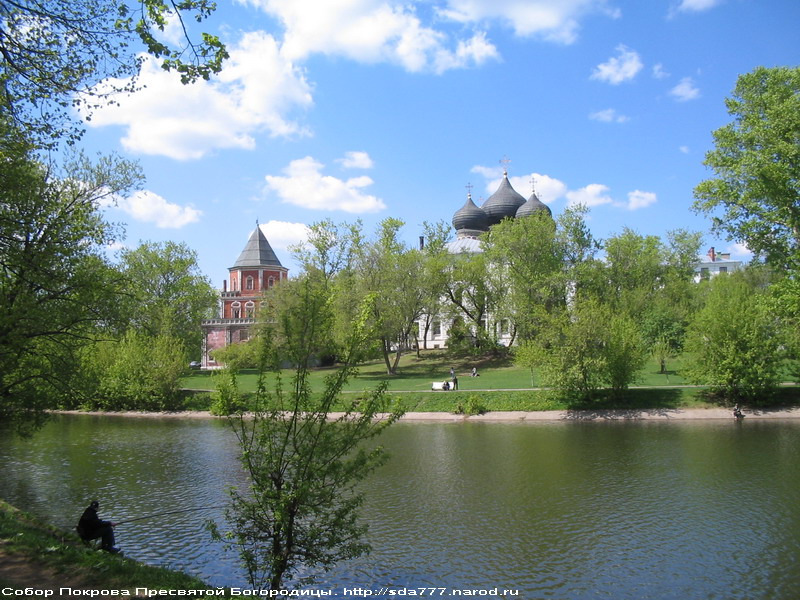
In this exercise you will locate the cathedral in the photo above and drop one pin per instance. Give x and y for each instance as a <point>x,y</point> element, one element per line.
<point>256,270</point>
<point>470,223</point>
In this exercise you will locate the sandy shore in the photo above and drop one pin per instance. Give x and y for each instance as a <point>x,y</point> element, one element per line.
<point>662,414</point>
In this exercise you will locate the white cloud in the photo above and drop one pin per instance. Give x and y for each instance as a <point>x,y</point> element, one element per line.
<point>256,91</point>
<point>356,160</point>
<point>304,185</point>
<point>548,189</point>
<point>371,31</point>
<point>659,72</point>
<point>685,90</point>
<point>283,234</point>
<point>617,69</point>
<point>608,115</point>
<point>594,194</point>
<point>740,252</point>
<point>149,207</point>
<point>552,21</point>
<point>684,149</point>
<point>638,199</point>
<point>697,5</point>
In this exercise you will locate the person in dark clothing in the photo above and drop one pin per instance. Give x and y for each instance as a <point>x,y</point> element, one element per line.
<point>455,382</point>
<point>92,527</point>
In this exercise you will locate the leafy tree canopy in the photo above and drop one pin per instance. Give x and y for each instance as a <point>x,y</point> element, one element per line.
<point>756,161</point>
<point>57,290</point>
<point>54,52</point>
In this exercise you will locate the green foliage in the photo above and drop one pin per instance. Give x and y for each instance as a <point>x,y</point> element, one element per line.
<point>300,514</point>
<point>167,293</point>
<point>57,290</point>
<point>238,356</point>
<point>226,400</point>
<point>584,350</point>
<point>471,407</point>
<point>756,162</point>
<point>138,373</point>
<point>55,53</point>
<point>735,342</point>
<point>625,353</point>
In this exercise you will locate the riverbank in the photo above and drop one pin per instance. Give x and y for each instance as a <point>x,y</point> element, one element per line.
<point>655,414</point>
<point>37,556</point>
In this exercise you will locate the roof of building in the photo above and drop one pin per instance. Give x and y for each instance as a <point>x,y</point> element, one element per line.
<point>257,253</point>
<point>503,203</point>
<point>465,244</point>
<point>532,206</point>
<point>470,216</point>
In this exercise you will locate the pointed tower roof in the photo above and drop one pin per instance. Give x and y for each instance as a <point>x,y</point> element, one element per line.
<point>503,203</point>
<point>257,252</point>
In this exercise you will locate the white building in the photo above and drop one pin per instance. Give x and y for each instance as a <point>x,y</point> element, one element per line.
<point>471,222</point>
<point>713,264</point>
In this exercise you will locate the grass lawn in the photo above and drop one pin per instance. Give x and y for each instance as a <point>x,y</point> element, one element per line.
<point>417,374</point>
<point>500,387</point>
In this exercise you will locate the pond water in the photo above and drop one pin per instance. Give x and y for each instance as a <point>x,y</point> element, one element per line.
<point>620,510</point>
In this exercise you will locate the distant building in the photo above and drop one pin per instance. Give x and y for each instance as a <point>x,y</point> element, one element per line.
<point>715,263</point>
<point>256,270</point>
<point>471,222</point>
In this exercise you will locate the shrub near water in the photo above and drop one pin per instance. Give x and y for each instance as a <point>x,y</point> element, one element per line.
<point>734,343</point>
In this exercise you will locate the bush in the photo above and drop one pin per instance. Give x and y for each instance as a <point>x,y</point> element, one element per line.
<point>472,406</point>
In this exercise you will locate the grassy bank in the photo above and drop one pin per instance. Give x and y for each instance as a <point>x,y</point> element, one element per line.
<point>56,557</point>
<point>501,386</point>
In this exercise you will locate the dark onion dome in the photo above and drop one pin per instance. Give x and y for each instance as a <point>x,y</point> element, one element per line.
<point>532,206</point>
<point>503,203</point>
<point>470,217</point>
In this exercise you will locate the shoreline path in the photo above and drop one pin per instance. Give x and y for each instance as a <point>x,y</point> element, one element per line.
<point>654,414</point>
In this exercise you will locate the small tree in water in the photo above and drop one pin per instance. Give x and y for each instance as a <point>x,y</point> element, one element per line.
<point>300,515</point>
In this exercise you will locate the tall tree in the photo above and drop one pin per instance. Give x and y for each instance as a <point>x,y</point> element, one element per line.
<point>57,290</point>
<point>168,295</point>
<point>54,52</point>
<point>734,341</point>
<point>390,270</point>
<point>756,162</point>
<point>300,513</point>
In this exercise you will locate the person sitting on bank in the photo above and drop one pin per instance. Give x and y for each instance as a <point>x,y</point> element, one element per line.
<point>91,527</point>
<point>475,372</point>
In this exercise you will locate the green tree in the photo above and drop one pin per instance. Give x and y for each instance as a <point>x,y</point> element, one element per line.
<point>434,276</point>
<point>168,295</point>
<point>138,372</point>
<point>53,53</point>
<point>300,513</point>
<point>733,342</point>
<point>754,197</point>
<point>534,264</point>
<point>57,290</point>
<point>390,270</point>
<point>584,349</point>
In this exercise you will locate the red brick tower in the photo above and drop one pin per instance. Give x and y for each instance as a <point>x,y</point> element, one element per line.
<point>256,270</point>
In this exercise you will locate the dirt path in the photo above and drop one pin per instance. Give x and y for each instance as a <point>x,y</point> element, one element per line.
<point>21,572</point>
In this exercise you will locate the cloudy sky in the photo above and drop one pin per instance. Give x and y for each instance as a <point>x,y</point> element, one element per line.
<point>367,109</point>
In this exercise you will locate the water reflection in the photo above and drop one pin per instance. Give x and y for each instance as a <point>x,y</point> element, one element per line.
<point>554,510</point>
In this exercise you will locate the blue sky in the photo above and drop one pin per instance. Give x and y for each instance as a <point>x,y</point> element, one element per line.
<point>348,109</point>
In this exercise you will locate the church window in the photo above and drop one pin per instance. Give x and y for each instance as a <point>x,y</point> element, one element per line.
<point>249,282</point>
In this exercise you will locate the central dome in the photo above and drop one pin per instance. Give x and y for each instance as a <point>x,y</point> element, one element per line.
<point>503,203</point>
